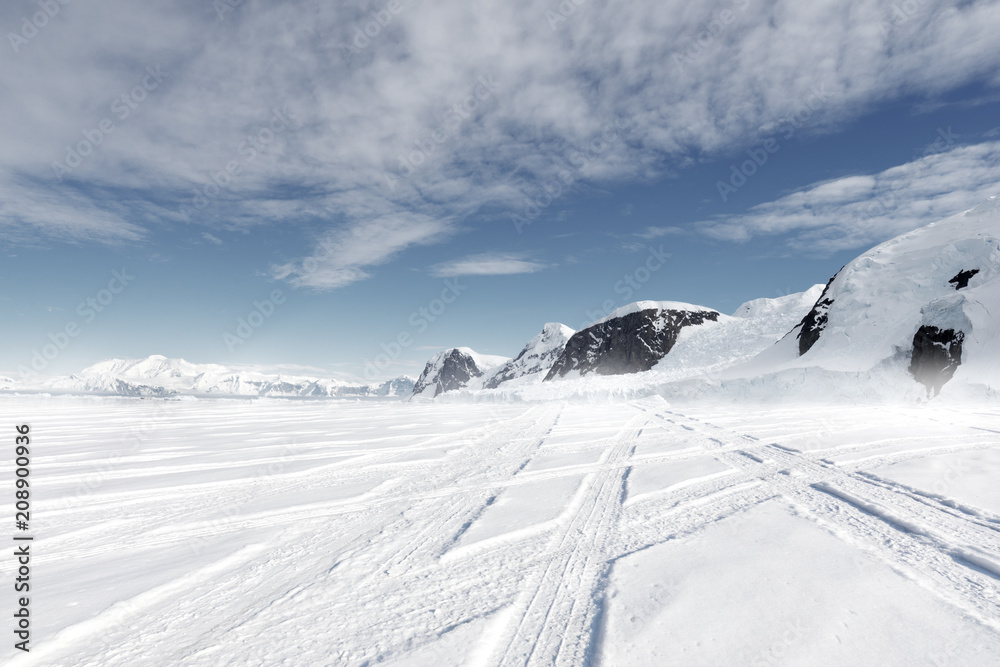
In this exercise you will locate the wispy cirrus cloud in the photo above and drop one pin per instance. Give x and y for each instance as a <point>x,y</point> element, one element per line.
<point>487,264</point>
<point>651,233</point>
<point>344,255</point>
<point>857,211</point>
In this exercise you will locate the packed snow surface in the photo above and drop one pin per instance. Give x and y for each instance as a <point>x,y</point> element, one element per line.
<point>278,532</point>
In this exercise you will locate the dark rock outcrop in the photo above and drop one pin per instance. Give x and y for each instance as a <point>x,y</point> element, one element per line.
<point>447,371</point>
<point>937,353</point>
<point>962,278</point>
<point>814,322</point>
<point>631,343</point>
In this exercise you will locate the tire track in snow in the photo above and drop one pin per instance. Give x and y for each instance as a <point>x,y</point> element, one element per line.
<point>933,548</point>
<point>400,550</point>
<point>554,619</point>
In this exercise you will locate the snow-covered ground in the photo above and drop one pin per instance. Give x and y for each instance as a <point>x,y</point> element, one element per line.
<point>282,532</point>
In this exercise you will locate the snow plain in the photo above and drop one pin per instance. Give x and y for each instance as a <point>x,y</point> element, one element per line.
<point>284,532</point>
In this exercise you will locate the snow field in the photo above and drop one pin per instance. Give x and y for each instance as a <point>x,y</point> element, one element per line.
<point>269,532</point>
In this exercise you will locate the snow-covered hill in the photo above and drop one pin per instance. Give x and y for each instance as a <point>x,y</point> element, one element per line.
<point>632,339</point>
<point>700,353</point>
<point>924,304</point>
<point>160,376</point>
<point>537,356</point>
<point>456,368</point>
<point>908,317</point>
<point>755,326</point>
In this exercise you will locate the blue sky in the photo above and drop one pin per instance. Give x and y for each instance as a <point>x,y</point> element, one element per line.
<point>221,153</point>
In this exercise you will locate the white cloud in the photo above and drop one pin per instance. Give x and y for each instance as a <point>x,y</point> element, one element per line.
<point>357,114</point>
<point>487,264</point>
<point>343,255</point>
<point>857,211</point>
<point>658,232</point>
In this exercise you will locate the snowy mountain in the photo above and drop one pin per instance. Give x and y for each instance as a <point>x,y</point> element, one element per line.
<point>925,302</point>
<point>910,316</point>
<point>632,339</point>
<point>400,387</point>
<point>159,376</point>
<point>457,368</point>
<point>538,355</point>
<point>729,340</point>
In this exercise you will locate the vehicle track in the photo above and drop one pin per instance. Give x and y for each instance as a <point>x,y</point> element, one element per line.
<point>946,552</point>
<point>556,611</point>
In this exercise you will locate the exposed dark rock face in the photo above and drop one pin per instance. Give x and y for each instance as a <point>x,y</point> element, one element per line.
<point>814,322</point>
<point>631,343</point>
<point>937,353</point>
<point>447,373</point>
<point>962,278</point>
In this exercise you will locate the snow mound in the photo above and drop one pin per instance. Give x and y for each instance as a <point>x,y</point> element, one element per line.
<point>938,285</point>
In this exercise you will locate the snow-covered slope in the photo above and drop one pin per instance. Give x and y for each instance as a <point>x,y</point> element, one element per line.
<point>700,354</point>
<point>160,376</point>
<point>755,326</point>
<point>935,290</point>
<point>537,356</point>
<point>456,368</point>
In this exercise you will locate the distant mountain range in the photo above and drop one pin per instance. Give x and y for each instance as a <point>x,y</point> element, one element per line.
<point>916,312</point>
<point>159,376</point>
<point>905,319</point>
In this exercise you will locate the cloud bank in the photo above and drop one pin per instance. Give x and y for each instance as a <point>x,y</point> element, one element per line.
<point>392,128</point>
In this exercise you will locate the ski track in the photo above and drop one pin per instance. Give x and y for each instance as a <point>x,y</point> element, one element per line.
<point>385,564</point>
